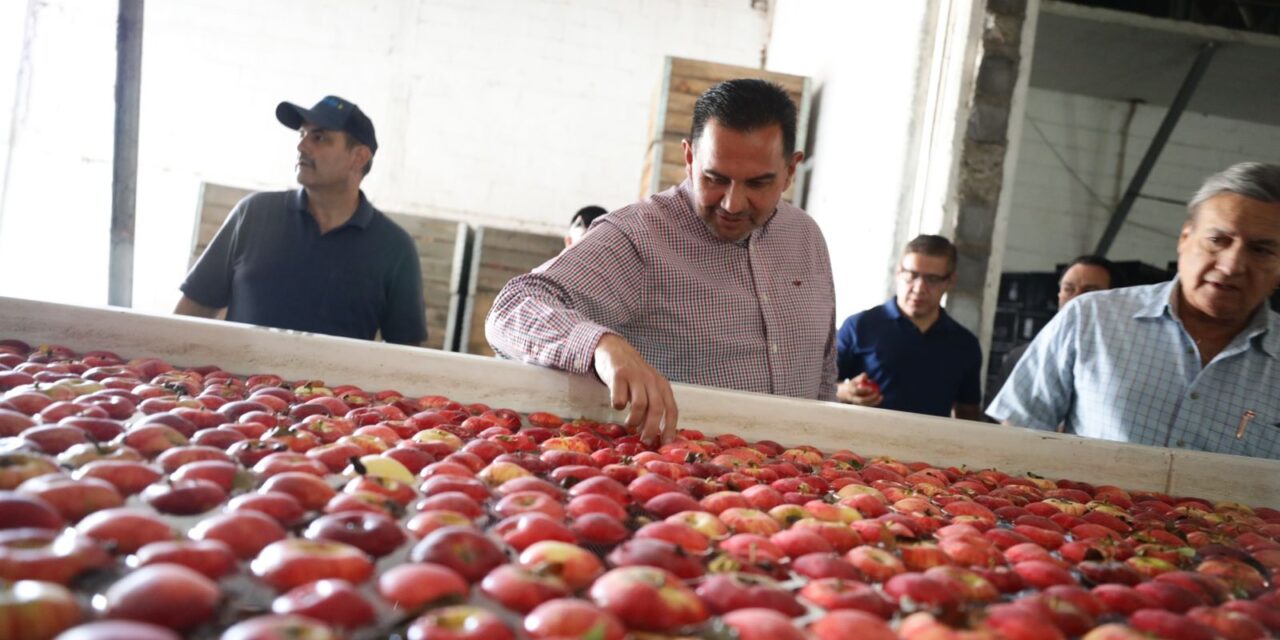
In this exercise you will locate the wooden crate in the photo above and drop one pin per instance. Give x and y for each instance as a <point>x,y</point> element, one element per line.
<point>683,80</point>
<point>441,245</point>
<point>498,255</point>
<point>244,349</point>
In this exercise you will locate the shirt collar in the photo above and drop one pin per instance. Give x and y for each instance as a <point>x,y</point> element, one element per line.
<point>686,191</point>
<point>1262,327</point>
<point>361,219</point>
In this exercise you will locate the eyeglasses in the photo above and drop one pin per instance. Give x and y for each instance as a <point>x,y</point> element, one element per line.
<point>929,279</point>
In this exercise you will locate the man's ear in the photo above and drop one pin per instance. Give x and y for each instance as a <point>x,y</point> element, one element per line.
<point>688,157</point>
<point>796,159</point>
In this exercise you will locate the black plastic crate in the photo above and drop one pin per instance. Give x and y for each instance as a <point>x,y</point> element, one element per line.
<point>1028,291</point>
<point>1132,273</point>
<point>1003,329</point>
<point>1030,324</point>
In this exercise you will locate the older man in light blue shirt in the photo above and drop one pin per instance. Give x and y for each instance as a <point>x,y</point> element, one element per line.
<point>1192,363</point>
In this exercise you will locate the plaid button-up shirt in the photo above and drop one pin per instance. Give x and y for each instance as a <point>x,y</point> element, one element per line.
<point>756,315</point>
<point>1119,365</point>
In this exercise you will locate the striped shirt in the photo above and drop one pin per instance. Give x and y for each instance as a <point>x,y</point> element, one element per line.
<point>1119,365</point>
<point>755,315</point>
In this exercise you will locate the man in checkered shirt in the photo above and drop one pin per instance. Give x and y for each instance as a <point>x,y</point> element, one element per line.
<point>714,282</point>
<point>1192,363</point>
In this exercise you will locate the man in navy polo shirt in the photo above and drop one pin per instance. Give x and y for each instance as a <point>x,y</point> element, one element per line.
<point>908,354</point>
<point>321,258</point>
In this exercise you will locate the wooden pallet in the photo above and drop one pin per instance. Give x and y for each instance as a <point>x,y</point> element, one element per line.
<point>683,80</point>
<point>441,245</point>
<point>498,255</point>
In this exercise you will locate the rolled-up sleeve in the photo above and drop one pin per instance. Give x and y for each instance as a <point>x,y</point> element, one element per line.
<point>209,281</point>
<point>556,315</point>
<point>1041,387</point>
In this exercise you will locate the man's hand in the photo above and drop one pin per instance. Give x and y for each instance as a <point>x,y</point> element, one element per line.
<point>633,382</point>
<point>859,390</point>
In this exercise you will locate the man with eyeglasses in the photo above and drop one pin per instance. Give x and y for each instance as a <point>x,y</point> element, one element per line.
<point>1085,274</point>
<point>908,354</point>
<point>1193,363</point>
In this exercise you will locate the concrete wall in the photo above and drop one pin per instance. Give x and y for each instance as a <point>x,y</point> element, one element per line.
<point>1055,218</point>
<point>864,59</point>
<point>506,112</point>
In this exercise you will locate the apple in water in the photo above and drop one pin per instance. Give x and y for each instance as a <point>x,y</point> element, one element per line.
<point>373,533</point>
<point>334,602</point>
<point>520,589</point>
<point>118,630</point>
<point>648,599</point>
<point>851,623</point>
<point>125,530</point>
<point>565,618</point>
<point>576,566</point>
<point>245,532</point>
<point>411,586</point>
<point>466,550</point>
<point>460,622</point>
<point>292,562</point>
<point>168,595</point>
<point>277,627</point>
<point>211,558</point>
<point>724,592</point>
<point>34,610</point>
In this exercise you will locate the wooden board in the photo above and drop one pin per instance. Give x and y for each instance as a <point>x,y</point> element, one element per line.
<point>441,245</point>
<point>498,255</point>
<point>245,349</point>
<point>683,81</point>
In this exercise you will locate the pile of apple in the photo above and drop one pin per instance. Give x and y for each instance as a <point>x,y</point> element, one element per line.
<point>143,501</point>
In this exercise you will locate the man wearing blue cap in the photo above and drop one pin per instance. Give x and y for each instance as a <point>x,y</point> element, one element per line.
<point>321,258</point>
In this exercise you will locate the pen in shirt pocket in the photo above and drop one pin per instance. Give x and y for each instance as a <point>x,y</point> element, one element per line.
<point>1245,419</point>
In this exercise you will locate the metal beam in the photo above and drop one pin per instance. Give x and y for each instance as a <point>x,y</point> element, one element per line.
<point>1171,118</point>
<point>124,167</point>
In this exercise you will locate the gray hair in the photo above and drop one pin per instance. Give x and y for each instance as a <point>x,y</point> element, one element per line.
<point>1254,180</point>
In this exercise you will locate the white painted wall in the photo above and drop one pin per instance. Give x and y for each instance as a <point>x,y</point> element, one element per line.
<point>863,58</point>
<point>508,112</point>
<point>1055,219</point>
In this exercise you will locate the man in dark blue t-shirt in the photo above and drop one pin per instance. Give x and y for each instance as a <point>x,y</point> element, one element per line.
<point>908,354</point>
<point>321,258</point>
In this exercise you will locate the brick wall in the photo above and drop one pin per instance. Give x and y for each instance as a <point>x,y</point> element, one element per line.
<point>1055,219</point>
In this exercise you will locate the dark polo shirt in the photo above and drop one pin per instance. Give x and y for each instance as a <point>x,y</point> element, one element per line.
<point>269,265</point>
<point>917,372</point>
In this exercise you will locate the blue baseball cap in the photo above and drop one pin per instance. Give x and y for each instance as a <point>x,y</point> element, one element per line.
<point>332,113</point>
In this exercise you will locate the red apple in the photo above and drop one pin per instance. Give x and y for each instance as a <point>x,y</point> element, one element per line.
<point>281,507</point>
<point>762,624</point>
<point>724,592</point>
<point>246,532</point>
<point>411,586</point>
<point>168,595</point>
<point>291,562</point>
<point>334,602</point>
<point>124,530</point>
<point>459,622</point>
<point>34,610</point>
<point>849,623</point>
<point>211,558</point>
<point>463,549</point>
<point>375,534</point>
<point>274,627</point>
<point>836,593</point>
<point>184,497</point>
<point>118,630</point>
<point>521,590</point>
<point>565,618</point>
<point>648,598</point>
<point>576,566</point>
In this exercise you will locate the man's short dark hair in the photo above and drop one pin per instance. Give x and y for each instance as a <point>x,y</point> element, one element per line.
<point>351,144</point>
<point>1093,261</point>
<point>936,246</point>
<point>747,104</point>
<point>586,215</point>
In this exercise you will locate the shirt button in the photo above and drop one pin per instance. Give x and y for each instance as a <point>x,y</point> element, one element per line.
<point>773,347</point>
<point>764,298</point>
<point>1195,396</point>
